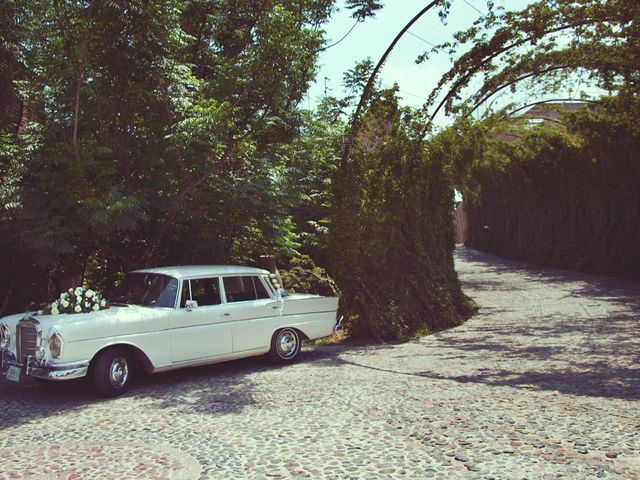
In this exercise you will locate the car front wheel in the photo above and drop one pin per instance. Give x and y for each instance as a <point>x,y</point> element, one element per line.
<point>112,372</point>
<point>285,345</point>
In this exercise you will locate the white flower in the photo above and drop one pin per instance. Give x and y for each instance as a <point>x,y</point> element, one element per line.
<point>87,304</point>
<point>77,309</point>
<point>103,302</point>
<point>89,293</point>
<point>71,290</point>
<point>54,311</point>
<point>78,291</point>
<point>96,307</point>
<point>64,303</point>
<point>54,305</point>
<point>62,296</point>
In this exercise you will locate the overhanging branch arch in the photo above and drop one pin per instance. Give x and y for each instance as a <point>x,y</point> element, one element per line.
<point>355,119</point>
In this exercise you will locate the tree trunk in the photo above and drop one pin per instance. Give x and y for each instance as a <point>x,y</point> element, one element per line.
<point>79,78</point>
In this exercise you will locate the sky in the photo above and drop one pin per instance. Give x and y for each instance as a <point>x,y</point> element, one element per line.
<point>371,39</point>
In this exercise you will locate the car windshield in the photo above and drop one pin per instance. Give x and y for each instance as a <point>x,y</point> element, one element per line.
<point>146,289</point>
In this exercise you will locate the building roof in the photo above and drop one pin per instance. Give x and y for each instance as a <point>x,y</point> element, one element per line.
<point>203,270</point>
<point>553,110</point>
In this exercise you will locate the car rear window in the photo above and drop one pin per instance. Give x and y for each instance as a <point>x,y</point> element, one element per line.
<point>244,288</point>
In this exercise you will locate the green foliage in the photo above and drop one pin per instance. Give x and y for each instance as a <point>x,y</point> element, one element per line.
<point>563,197</point>
<point>167,132</point>
<point>363,9</point>
<point>560,195</point>
<point>391,238</point>
<point>304,276</point>
<point>311,161</point>
<point>550,43</point>
<point>355,79</point>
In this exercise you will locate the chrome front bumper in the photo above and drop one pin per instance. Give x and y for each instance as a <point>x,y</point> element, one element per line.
<point>62,371</point>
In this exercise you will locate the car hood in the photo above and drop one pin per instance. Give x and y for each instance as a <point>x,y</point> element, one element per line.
<point>84,325</point>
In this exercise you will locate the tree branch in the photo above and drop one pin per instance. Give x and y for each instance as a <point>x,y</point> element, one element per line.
<point>166,224</point>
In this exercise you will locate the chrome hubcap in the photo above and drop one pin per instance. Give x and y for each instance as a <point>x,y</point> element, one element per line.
<point>287,343</point>
<point>118,372</point>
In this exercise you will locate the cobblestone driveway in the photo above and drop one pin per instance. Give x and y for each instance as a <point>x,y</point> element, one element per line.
<point>544,382</point>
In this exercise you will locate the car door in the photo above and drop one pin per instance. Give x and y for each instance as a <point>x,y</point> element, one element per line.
<point>201,331</point>
<point>253,310</point>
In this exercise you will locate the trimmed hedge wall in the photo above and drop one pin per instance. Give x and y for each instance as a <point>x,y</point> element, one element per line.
<point>563,197</point>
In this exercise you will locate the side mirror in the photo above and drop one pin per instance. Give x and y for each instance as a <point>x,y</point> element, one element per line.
<point>191,304</point>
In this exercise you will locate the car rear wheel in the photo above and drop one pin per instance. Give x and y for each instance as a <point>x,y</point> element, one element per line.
<point>112,372</point>
<point>285,345</point>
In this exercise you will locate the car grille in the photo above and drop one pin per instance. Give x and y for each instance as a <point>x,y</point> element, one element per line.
<point>27,339</point>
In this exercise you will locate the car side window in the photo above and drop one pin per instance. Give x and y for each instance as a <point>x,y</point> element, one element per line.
<point>205,291</point>
<point>244,288</point>
<point>261,291</point>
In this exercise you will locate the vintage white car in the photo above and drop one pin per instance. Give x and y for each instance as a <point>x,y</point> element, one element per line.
<point>163,319</point>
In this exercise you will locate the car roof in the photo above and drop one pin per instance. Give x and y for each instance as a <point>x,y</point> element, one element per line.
<point>186,271</point>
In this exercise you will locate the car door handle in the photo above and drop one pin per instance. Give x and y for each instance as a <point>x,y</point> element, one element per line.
<point>227,314</point>
<point>275,307</point>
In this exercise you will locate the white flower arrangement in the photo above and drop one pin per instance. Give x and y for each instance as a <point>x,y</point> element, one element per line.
<point>274,280</point>
<point>77,300</point>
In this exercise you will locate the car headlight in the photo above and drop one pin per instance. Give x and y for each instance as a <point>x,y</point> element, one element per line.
<point>55,345</point>
<point>5,336</point>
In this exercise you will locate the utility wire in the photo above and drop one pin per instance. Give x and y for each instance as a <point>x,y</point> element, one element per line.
<point>420,38</point>
<point>474,7</point>
<point>413,95</point>
<point>345,36</point>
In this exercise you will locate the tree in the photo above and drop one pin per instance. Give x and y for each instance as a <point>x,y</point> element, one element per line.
<point>161,120</point>
<point>391,238</point>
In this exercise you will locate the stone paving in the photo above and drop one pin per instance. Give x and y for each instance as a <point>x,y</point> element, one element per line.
<point>543,383</point>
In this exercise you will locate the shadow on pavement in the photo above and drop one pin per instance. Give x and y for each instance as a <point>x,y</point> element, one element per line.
<point>587,379</point>
<point>217,388</point>
<point>622,383</point>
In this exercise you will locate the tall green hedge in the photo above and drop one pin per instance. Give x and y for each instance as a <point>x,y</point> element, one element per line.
<point>567,197</point>
<point>391,239</point>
